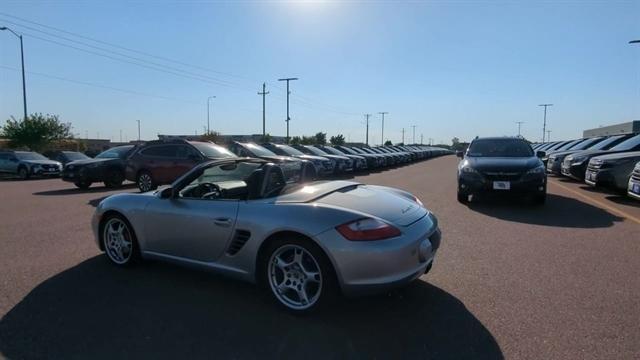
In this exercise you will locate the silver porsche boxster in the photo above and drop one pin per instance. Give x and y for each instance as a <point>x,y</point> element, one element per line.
<point>303,241</point>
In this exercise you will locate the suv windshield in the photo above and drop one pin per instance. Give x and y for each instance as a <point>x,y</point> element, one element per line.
<point>333,151</point>
<point>288,150</point>
<point>499,148</point>
<point>72,155</point>
<point>29,156</point>
<point>258,150</point>
<point>213,151</point>
<point>316,151</point>
<point>115,153</point>
<point>628,144</point>
<point>605,143</point>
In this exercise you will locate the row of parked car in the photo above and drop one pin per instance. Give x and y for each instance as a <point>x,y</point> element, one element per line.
<point>603,161</point>
<point>161,162</point>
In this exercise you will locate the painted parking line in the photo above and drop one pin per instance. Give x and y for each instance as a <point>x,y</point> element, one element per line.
<point>597,202</point>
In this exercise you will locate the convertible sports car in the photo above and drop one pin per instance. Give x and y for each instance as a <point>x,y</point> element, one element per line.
<point>304,242</point>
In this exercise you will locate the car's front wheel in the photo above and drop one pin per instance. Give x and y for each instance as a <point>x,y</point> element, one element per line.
<point>23,173</point>
<point>119,240</point>
<point>298,275</point>
<point>84,185</point>
<point>463,197</point>
<point>145,182</point>
<point>114,179</point>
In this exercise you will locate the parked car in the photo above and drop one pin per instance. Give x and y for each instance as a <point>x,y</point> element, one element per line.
<point>107,167</point>
<point>304,242</point>
<point>501,165</point>
<point>26,164</point>
<point>359,162</point>
<point>342,163</point>
<point>555,158</point>
<point>373,161</point>
<point>289,164</point>
<point>612,171</point>
<point>575,165</point>
<point>65,157</point>
<point>323,165</point>
<point>633,189</point>
<point>161,162</point>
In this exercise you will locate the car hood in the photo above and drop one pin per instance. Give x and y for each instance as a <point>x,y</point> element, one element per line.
<point>41,162</point>
<point>389,204</point>
<point>502,164</point>
<point>624,155</point>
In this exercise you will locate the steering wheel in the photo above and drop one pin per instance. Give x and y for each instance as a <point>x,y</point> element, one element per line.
<point>209,191</point>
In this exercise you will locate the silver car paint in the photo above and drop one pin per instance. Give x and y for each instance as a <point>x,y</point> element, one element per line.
<point>313,211</point>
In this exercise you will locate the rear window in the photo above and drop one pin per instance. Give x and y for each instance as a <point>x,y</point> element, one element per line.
<point>161,151</point>
<point>499,148</point>
<point>115,153</point>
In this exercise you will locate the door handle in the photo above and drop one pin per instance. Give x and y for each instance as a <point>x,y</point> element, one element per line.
<point>222,222</point>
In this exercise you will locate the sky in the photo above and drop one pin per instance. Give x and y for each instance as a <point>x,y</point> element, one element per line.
<point>449,68</point>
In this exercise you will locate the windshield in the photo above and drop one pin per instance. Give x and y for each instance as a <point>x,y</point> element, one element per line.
<point>628,144</point>
<point>30,156</point>
<point>499,148</point>
<point>316,151</point>
<point>258,150</point>
<point>568,145</point>
<point>586,144</point>
<point>333,151</point>
<point>73,156</point>
<point>115,153</point>
<point>605,143</point>
<point>288,150</point>
<point>213,151</point>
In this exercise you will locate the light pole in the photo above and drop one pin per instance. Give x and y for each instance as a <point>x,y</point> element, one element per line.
<point>383,113</point>
<point>519,124</point>
<point>24,85</point>
<point>138,129</point>
<point>263,93</point>
<point>208,99</point>
<point>414,133</point>
<point>366,141</point>
<point>288,92</point>
<point>544,124</point>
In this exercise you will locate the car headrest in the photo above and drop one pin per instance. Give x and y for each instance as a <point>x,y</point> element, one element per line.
<point>254,182</point>
<point>273,180</point>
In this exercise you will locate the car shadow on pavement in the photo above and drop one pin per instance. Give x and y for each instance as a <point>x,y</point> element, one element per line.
<point>96,310</point>
<point>96,189</point>
<point>558,211</point>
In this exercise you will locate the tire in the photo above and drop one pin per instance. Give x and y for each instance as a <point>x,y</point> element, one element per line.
<point>113,179</point>
<point>23,173</point>
<point>540,199</point>
<point>463,197</point>
<point>145,181</point>
<point>84,185</point>
<point>119,241</point>
<point>293,266</point>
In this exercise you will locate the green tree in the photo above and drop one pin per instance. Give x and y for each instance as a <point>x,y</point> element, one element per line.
<point>337,140</point>
<point>388,143</point>
<point>36,132</point>
<point>212,136</point>
<point>308,140</point>
<point>296,140</point>
<point>266,138</point>
<point>454,142</point>
<point>320,138</point>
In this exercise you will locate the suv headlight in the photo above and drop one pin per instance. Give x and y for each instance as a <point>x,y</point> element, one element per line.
<point>536,170</point>
<point>577,159</point>
<point>469,170</point>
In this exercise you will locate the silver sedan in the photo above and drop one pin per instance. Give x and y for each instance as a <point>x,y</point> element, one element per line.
<point>304,242</point>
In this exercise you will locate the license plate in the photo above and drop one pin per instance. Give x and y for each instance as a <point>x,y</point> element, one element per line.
<point>635,188</point>
<point>501,185</point>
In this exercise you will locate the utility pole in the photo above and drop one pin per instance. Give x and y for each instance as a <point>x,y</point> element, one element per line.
<point>414,133</point>
<point>403,136</point>
<point>548,135</point>
<point>120,135</point>
<point>288,92</point>
<point>430,141</point>
<point>138,129</point>
<point>367,124</point>
<point>421,135</point>
<point>519,124</point>
<point>208,128</point>
<point>24,85</point>
<point>263,93</point>
<point>383,114</point>
<point>544,124</point>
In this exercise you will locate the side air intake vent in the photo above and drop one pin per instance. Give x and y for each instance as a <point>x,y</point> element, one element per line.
<point>239,239</point>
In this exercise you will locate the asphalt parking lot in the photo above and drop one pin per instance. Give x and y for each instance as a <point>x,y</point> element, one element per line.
<point>511,280</point>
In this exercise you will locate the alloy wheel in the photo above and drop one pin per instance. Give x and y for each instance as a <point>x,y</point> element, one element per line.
<point>145,182</point>
<point>118,242</point>
<point>295,277</point>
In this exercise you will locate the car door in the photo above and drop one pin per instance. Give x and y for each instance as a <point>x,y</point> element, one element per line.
<point>186,158</point>
<point>4,159</point>
<point>194,229</point>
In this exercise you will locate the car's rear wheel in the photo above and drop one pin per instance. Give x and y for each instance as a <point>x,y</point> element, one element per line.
<point>298,275</point>
<point>119,241</point>
<point>145,181</point>
<point>23,173</point>
<point>540,199</point>
<point>84,185</point>
<point>113,178</point>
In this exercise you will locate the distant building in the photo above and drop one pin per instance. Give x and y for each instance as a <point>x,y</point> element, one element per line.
<point>630,127</point>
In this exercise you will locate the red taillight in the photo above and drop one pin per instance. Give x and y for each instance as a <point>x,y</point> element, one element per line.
<point>367,229</point>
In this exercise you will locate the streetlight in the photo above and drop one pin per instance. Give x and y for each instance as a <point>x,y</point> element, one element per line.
<point>383,113</point>
<point>634,42</point>
<point>288,92</point>
<point>544,124</point>
<point>138,129</point>
<point>24,86</point>
<point>209,98</point>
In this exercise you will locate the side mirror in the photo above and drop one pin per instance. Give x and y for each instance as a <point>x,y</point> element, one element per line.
<point>541,154</point>
<point>459,154</point>
<point>166,193</point>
